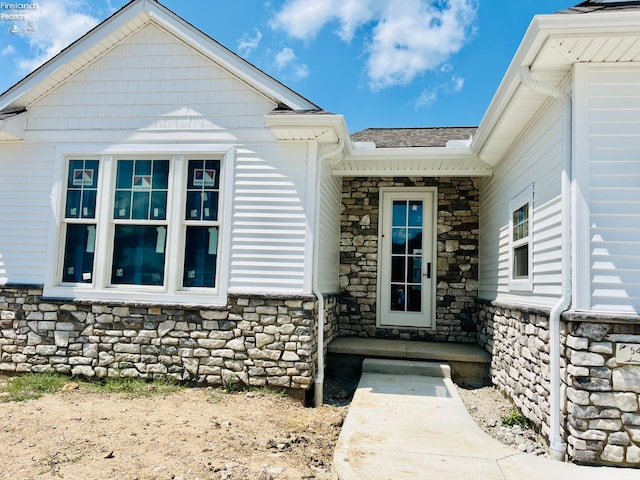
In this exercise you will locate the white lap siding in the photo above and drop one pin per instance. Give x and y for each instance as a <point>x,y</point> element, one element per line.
<point>534,158</point>
<point>609,149</point>
<point>26,179</point>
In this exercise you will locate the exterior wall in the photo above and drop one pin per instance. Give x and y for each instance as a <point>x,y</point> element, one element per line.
<point>25,211</point>
<point>256,340</point>
<point>600,397</point>
<point>608,170</point>
<point>534,159</point>
<point>329,232</point>
<point>457,239</point>
<point>518,341</point>
<point>157,95</point>
<point>150,81</point>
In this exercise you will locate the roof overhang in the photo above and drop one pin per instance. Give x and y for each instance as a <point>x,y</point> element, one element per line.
<point>550,48</point>
<point>11,128</point>
<point>411,162</point>
<point>126,21</point>
<point>305,126</point>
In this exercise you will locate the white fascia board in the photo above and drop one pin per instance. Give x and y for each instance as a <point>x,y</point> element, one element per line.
<point>94,36</point>
<point>237,66</point>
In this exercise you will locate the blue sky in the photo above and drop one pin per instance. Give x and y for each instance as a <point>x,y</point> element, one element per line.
<point>381,63</point>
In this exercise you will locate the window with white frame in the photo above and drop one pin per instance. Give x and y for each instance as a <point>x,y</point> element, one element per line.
<point>520,241</point>
<point>134,223</point>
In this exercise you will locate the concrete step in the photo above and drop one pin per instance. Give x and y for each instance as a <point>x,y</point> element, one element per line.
<point>406,367</point>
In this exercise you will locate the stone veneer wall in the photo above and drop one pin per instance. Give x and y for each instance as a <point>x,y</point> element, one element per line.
<point>601,398</point>
<point>457,263</point>
<point>602,395</point>
<point>518,341</point>
<point>257,340</point>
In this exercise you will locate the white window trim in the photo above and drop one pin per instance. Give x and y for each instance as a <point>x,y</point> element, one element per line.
<point>523,198</point>
<point>170,293</point>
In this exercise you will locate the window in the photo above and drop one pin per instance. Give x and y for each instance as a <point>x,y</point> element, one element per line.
<point>520,227</point>
<point>143,223</point>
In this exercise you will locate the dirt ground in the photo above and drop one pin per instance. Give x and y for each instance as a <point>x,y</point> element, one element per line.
<point>197,433</point>
<point>192,434</point>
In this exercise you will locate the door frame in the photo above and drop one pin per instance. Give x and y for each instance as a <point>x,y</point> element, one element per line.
<point>389,192</point>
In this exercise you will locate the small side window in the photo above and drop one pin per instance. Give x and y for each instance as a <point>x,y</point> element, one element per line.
<point>520,241</point>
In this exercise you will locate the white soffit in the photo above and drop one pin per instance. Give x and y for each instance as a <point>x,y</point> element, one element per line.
<point>415,161</point>
<point>551,46</point>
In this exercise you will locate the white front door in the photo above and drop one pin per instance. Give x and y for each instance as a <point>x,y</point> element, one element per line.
<point>406,270</point>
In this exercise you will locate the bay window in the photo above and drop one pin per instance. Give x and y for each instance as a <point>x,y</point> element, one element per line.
<point>141,223</point>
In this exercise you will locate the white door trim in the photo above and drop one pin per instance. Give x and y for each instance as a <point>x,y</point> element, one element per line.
<point>410,320</point>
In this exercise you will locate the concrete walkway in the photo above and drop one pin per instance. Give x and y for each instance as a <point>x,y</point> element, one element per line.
<point>410,427</point>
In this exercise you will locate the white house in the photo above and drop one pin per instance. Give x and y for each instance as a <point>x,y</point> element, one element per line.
<point>167,209</point>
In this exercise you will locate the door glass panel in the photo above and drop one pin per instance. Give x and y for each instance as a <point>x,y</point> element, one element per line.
<point>415,213</point>
<point>399,217</point>
<point>397,269</point>
<point>138,255</point>
<point>414,299</point>
<point>406,256</point>
<point>398,298</point>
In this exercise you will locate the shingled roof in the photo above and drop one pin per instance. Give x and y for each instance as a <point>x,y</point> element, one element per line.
<point>595,6</point>
<point>413,137</point>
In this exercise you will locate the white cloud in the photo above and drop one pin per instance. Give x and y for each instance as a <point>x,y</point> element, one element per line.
<point>8,50</point>
<point>286,60</point>
<point>407,37</point>
<point>429,96</point>
<point>247,44</point>
<point>57,23</point>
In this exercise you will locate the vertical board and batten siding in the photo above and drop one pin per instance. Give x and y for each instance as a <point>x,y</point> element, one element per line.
<point>534,158</point>
<point>150,81</point>
<point>330,197</point>
<point>614,187</point>
<point>26,181</point>
<point>269,219</point>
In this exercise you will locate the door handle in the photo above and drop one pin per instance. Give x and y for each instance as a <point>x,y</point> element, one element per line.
<point>428,274</point>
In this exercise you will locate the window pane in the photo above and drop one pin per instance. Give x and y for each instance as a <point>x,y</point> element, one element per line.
<point>203,178</point>
<point>141,189</point>
<point>521,261</point>
<point>201,251</point>
<point>138,255</point>
<point>78,253</point>
<point>521,222</point>
<point>82,187</point>
<point>414,273</point>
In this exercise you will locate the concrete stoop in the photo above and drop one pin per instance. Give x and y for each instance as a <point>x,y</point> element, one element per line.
<point>406,367</point>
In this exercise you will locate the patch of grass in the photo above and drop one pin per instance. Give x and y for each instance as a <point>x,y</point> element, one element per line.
<point>137,387</point>
<point>34,385</point>
<point>31,386</point>
<point>515,417</point>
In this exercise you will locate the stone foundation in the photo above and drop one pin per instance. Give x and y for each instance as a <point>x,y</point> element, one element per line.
<point>457,263</point>
<point>602,395</point>
<point>600,398</point>
<point>518,341</point>
<point>256,340</point>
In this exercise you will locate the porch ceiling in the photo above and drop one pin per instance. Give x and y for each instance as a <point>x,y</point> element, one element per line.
<point>412,162</point>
